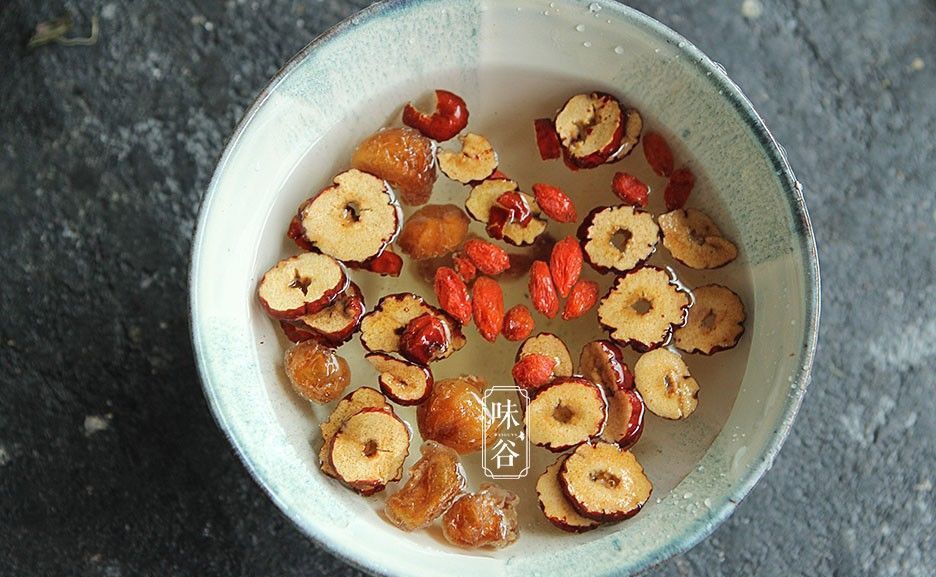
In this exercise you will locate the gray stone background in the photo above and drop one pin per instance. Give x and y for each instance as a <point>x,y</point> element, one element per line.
<point>110,463</point>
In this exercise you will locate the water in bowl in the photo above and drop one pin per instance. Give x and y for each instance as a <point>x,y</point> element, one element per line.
<point>502,109</point>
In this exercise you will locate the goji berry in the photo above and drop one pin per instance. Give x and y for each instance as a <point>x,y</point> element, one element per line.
<point>489,258</point>
<point>518,323</point>
<point>658,154</point>
<point>678,189</point>
<point>546,138</point>
<point>452,293</point>
<point>387,263</point>
<point>565,264</point>
<point>542,291</point>
<point>533,371</point>
<point>487,302</point>
<point>464,267</point>
<point>449,118</point>
<point>556,204</point>
<point>582,298</point>
<point>630,189</point>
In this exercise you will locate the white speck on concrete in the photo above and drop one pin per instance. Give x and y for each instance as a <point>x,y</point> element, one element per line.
<point>97,423</point>
<point>905,348</point>
<point>923,487</point>
<point>752,9</point>
<point>917,64</point>
<point>862,427</point>
<point>5,457</point>
<point>198,20</point>
<point>109,11</point>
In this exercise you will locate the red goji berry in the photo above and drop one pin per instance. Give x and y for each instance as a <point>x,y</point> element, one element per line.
<point>582,298</point>
<point>658,154</point>
<point>489,258</point>
<point>387,263</point>
<point>464,267</point>
<point>518,323</point>
<point>556,204</point>
<point>630,189</point>
<point>678,189</point>
<point>452,293</point>
<point>487,303</point>
<point>542,291</point>
<point>565,264</point>
<point>533,371</point>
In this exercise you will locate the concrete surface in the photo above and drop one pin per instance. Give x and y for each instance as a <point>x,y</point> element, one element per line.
<point>110,463</point>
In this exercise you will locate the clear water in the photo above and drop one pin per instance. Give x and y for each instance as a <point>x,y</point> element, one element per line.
<point>503,103</point>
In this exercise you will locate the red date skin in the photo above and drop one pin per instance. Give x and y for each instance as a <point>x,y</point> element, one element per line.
<point>449,118</point>
<point>517,207</point>
<point>546,139</point>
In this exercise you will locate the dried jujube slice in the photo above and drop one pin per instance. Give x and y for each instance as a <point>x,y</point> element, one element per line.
<point>435,481</point>
<point>566,413</point>
<point>604,482</point>
<point>633,127</point>
<point>666,385</point>
<point>383,327</point>
<point>368,450</point>
<point>594,129</point>
<point>335,324</point>
<point>404,158</point>
<point>715,323</point>
<point>487,518</point>
<point>555,505</point>
<point>618,238</point>
<point>432,231</point>
<point>454,415</point>
<point>448,119</point>
<point>404,382</point>
<point>484,197</point>
<point>301,285</point>
<point>351,404</point>
<point>354,219</point>
<point>296,333</point>
<point>476,160</point>
<point>315,372</point>
<point>643,307</point>
<point>548,345</point>
<point>602,362</point>
<point>695,240</point>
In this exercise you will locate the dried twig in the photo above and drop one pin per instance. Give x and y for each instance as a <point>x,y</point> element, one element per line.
<point>55,30</point>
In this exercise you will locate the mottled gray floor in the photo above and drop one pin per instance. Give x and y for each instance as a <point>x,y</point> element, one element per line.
<point>110,463</point>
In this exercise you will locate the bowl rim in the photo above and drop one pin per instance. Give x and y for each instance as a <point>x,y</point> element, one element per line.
<point>705,523</point>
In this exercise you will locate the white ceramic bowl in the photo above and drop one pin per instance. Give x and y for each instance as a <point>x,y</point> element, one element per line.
<point>504,57</point>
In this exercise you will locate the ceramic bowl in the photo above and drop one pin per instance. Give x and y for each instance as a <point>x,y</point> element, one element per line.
<point>508,58</point>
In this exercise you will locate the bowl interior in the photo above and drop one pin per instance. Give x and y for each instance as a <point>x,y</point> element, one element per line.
<point>512,61</point>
